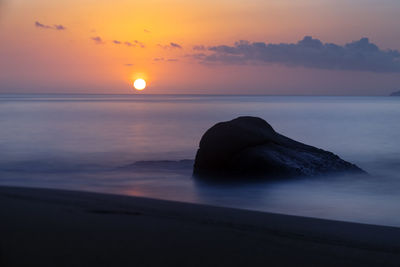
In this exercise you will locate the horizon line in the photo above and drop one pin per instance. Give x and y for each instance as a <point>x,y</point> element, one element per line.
<point>147,94</point>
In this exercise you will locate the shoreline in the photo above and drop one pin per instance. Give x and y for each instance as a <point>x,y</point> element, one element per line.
<point>49,227</point>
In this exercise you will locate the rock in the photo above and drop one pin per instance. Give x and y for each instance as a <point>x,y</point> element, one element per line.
<point>250,146</point>
<point>395,93</point>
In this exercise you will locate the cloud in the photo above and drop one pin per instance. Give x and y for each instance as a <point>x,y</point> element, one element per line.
<point>158,59</point>
<point>57,27</point>
<point>198,56</point>
<point>40,25</point>
<point>361,55</point>
<point>175,45</point>
<point>128,64</point>
<point>140,44</point>
<point>146,31</point>
<point>97,40</point>
<point>134,43</point>
<point>171,45</point>
<point>199,48</point>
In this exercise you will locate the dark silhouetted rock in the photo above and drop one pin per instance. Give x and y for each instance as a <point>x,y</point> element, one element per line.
<point>250,146</point>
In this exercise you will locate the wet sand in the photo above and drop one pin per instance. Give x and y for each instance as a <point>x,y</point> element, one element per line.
<point>44,227</point>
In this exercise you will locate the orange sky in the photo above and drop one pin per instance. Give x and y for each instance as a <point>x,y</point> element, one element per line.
<point>45,60</point>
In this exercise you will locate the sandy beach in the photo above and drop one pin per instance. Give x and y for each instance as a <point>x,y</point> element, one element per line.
<point>43,227</point>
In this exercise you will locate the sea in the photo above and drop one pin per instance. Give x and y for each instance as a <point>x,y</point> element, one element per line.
<point>144,145</point>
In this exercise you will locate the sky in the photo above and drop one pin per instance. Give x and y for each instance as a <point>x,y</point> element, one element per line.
<point>283,47</point>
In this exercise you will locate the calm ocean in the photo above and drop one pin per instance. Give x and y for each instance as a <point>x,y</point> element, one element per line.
<point>88,142</point>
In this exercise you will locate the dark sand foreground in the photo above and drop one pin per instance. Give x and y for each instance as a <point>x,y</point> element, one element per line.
<point>40,227</point>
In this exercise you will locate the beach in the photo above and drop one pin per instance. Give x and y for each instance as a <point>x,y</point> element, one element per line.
<point>46,227</point>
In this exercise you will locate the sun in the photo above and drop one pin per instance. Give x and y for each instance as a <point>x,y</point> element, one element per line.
<point>139,84</point>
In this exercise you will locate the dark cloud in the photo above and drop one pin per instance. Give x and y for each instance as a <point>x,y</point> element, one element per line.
<point>158,59</point>
<point>146,31</point>
<point>97,40</point>
<point>175,45</point>
<point>57,27</point>
<point>171,45</point>
<point>361,55</point>
<point>172,59</point>
<point>116,42</point>
<point>129,64</point>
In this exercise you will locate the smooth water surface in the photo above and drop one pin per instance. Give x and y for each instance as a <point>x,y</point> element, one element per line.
<point>86,142</point>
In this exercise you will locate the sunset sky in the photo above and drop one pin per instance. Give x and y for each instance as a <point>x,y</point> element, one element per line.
<point>288,47</point>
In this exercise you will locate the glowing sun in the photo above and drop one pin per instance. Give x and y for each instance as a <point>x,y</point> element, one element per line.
<point>139,84</point>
